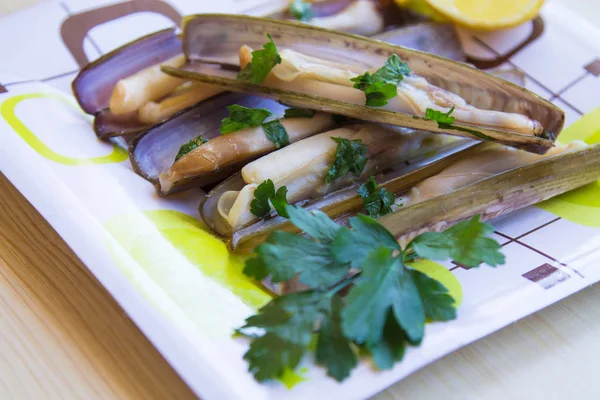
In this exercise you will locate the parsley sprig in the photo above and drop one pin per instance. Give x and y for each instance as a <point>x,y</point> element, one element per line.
<point>276,133</point>
<point>301,10</point>
<point>189,146</point>
<point>383,84</point>
<point>262,63</point>
<point>387,301</point>
<point>350,156</point>
<point>265,195</point>
<point>377,202</point>
<point>241,117</point>
<point>446,121</point>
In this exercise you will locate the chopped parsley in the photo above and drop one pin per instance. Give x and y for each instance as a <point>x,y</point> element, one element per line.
<point>387,302</point>
<point>276,133</point>
<point>241,117</point>
<point>301,10</point>
<point>377,202</point>
<point>383,84</point>
<point>445,121</point>
<point>189,146</point>
<point>350,156</point>
<point>262,63</point>
<point>299,113</point>
<point>265,195</point>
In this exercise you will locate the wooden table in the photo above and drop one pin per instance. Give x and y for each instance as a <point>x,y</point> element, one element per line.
<point>62,336</point>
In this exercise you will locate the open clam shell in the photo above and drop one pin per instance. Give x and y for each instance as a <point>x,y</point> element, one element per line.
<point>491,197</point>
<point>94,84</point>
<point>392,159</point>
<point>153,151</point>
<point>216,39</point>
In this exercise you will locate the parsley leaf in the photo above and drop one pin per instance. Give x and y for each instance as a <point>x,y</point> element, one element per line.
<point>270,356</point>
<point>379,93</point>
<point>354,245</point>
<point>288,322</point>
<point>299,113</point>
<point>241,117</point>
<point>279,201</point>
<point>377,202</point>
<point>301,10</point>
<point>262,63</point>
<point>262,194</point>
<point>362,82</point>
<point>189,146</point>
<point>393,71</point>
<point>286,255</point>
<point>383,84</point>
<point>437,303</point>
<point>350,156</point>
<point>441,118</point>
<point>276,133</point>
<point>333,348</point>
<point>445,121</point>
<point>384,311</point>
<point>392,346</point>
<point>467,243</point>
<point>385,283</point>
<point>315,224</point>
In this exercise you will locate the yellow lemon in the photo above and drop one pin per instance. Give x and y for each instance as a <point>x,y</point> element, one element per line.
<point>421,7</point>
<point>487,14</point>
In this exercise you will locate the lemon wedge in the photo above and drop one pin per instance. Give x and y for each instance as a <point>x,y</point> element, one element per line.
<point>487,14</point>
<point>421,7</point>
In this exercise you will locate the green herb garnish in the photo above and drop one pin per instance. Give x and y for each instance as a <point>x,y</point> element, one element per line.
<point>386,305</point>
<point>383,84</point>
<point>265,193</point>
<point>301,10</point>
<point>377,202</point>
<point>445,121</point>
<point>262,63</point>
<point>189,146</point>
<point>299,113</point>
<point>276,133</point>
<point>350,156</point>
<point>241,117</point>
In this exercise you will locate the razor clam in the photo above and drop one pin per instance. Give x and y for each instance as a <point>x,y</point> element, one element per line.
<point>533,123</point>
<point>153,151</point>
<point>303,166</point>
<point>238,148</point>
<point>94,84</point>
<point>524,180</point>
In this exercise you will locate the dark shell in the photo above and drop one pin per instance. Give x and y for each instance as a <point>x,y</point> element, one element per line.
<point>94,83</point>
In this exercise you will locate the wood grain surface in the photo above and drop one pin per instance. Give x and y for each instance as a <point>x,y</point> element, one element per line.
<point>62,336</point>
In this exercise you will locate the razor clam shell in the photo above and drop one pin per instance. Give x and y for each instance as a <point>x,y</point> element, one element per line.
<point>208,205</point>
<point>217,38</point>
<point>346,200</point>
<point>500,194</point>
<point>491,197</point>
<point>154,150</point>
<point>430,37</point>
<point>94,84</point>
<point>107,124</point>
